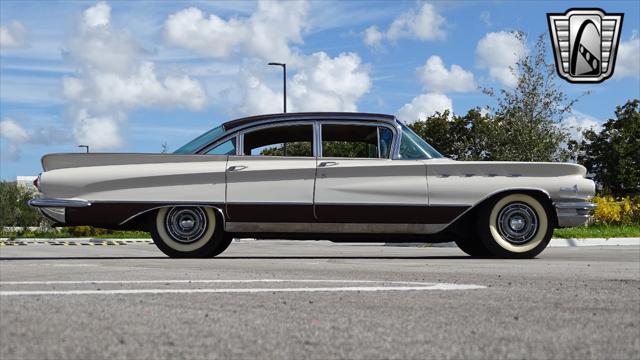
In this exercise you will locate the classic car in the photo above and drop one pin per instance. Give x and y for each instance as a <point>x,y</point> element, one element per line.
<point>332,176</point>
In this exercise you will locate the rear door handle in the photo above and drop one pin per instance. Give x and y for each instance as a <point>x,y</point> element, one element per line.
<point>236,167</point>
<point>327,163</point>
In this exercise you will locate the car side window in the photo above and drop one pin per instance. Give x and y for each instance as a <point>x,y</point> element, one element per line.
<point>289,140</point>
<point>355,141</point>
<point>386,139</point>
<point>226,148</point>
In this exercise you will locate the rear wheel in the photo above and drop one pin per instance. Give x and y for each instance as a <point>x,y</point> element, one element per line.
<point>515,226</point>
<point>188,232</point>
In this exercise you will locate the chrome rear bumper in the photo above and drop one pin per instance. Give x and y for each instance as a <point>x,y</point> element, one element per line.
<point>54,209</point>
<point>39,203</point>
<point>573,213</point>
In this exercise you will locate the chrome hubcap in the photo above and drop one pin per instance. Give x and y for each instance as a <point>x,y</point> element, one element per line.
<point>517,223</point>
<point>186,224</point>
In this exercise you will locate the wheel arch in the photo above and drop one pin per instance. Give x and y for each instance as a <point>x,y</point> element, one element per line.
<point>470,215</point>
<point>141,217</point>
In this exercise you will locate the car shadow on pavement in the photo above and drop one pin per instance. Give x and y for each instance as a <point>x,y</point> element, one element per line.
<point>82,258</point>
<point>292,257</point>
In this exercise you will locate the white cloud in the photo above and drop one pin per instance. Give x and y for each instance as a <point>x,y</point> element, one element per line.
<point>423,106</point>
<point>316,82</point>
<point>13,35</point>
<point>578,122</point>
<point>333,84</point>
<point>628,61</point>
<point>99,132</point>
<point>436,78</point>
<point>267,33</point>
<point>499,52</point>
<point>422,24</point>
<point>114,78</point>
<point>104,90</point>
<point>322,83</point>
<point>98,15</point>
<point>373,36</point>
<point>12,131</point>
<point>17,136</point>
<point>99,47</point>
<point>485,16</point>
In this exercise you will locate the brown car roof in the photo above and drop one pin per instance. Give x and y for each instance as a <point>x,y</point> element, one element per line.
<point>306,116</point>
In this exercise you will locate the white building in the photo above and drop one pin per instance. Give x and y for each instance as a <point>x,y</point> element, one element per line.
<point>26,182</point>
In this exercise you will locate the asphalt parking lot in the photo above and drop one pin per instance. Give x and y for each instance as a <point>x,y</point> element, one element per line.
<point>278,299</point>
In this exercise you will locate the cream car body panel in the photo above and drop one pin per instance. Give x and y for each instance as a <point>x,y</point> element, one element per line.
<point>371,181</point>
<point>135,178</point>
<point>467,183</point>
<point>286,180</point>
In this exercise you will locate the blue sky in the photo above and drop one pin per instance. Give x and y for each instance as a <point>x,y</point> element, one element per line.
<point>129,76</point>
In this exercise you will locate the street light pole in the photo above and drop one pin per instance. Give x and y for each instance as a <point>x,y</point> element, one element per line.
<point>84,146</point>
<point>284,82</point>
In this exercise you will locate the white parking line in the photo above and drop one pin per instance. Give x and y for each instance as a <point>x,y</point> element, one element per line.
<point>206,281</point>
<point>393,286</point>
<point>250,290</point>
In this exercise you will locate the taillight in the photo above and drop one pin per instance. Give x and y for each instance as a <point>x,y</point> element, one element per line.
<point>36,182</point>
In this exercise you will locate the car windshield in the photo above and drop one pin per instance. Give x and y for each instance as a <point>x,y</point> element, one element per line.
<point>413,146</point>
<point>198,143</point>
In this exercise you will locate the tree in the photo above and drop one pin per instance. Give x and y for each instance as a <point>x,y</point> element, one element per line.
<point>613,154</point>
<point>527,119</point>
<point>14,210</point>
<point>458,137</point>
<point>524,125</point>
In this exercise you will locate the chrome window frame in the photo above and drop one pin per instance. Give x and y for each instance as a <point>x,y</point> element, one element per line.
<point>240,149</point>
<point>222,140</point>
<point>377,124</point>
<point>239,132</point>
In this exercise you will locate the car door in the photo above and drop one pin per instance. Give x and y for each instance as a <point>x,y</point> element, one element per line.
<point>358,183</point>
<point>272,181</point>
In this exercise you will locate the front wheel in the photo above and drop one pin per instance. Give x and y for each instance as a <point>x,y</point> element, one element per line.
<point>188,232</point>
<point>515,226</point>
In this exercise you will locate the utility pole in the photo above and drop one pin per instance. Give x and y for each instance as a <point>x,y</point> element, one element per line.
<point>284,82</point>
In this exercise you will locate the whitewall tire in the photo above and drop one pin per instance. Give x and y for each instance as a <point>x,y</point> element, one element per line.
<point>188,232</point>
<point>515,226</point>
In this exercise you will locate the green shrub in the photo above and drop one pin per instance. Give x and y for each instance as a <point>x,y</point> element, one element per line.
<point>87,231</point>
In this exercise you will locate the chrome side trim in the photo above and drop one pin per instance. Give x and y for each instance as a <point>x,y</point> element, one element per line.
<point>58,203</point>
<point>333,228</point>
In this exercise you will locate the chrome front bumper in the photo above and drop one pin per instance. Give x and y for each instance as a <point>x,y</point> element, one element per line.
<point>54,209</point>
<point>573,213</point>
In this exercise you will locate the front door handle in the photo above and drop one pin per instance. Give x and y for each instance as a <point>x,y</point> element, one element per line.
<point>236,167</point>
<point>327,163</point>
